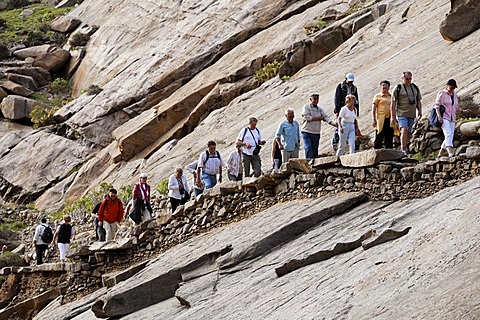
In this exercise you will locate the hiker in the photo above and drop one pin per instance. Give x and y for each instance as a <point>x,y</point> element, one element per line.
<point>142,210</point>
<point>449,99</point>
<point>313,115</point>
<point>40,245</point>
<point>178,189</point>
<point>209,166</point>
<point>288,136</point>
<point>64,234</point>
<point>347,125</point>
<point>343,89</point>
<point>99,230</point>
<point>250,139</point>
<point>406,99</point>
<point>381,117</point>
<point>234,164</point>
<point>110,214</point>
<point>192,168</point>
<point>276,156</point>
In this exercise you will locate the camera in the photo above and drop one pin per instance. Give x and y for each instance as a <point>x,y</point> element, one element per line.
<point>412,101</point>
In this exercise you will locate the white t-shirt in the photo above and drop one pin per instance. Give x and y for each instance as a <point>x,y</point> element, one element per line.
<point>252,137</point>
<point>347,115</point>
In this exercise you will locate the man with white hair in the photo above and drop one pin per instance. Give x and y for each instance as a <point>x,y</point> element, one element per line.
<point>288,136</point>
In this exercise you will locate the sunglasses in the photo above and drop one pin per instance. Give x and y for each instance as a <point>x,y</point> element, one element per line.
<point>408,78</point>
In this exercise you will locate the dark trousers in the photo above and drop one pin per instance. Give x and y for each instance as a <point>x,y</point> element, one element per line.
<point>311,141</point>
<point>176,202</point>
<point>386,134</point>
<point>40,250</point>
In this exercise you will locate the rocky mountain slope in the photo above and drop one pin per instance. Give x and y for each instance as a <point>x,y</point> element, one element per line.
<point>335,257</point>
<point>207,91</point>
<point>177,74</point>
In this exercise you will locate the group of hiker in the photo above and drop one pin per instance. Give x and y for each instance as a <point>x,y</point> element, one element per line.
<point>392,114</point>
<point>108,214</point>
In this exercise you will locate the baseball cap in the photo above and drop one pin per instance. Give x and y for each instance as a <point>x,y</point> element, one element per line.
<point>350,77</point>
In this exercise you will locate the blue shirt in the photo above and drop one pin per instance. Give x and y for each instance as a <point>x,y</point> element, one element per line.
<point>290,134</point>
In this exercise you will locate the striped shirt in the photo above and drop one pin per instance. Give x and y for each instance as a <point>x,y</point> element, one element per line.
<point>212,165</point>
<point>234,163</point>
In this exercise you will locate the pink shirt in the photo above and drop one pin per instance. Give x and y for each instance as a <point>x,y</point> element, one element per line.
<point>451,109</point>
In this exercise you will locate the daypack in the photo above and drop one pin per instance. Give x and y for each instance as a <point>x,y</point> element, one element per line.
<point>47,235</point>
<point>208,156</point>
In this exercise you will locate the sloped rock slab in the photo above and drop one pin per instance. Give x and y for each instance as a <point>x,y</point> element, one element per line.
<point>110,280</point>
<point>56,310</point>
<point>26,309</point>
<point>370,157</point>
<point>324,161</point>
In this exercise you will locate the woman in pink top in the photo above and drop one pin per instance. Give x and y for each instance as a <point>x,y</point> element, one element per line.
<point>449,99</point>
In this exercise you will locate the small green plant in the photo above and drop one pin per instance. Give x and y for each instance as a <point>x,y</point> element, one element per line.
<point>13,225</point>
<point>61,87</point>
<point>79,40</point>
<point>10,259</point>
<point>125,192</point>
<point>162,187</point>
<point>30,206</point>
<point>94,89</point>
<point>285,78</point>
<point>54,101</point>
<point>41,116</point>
<point>28,29</point>
<point>321,24</point>
<point>268,71</point>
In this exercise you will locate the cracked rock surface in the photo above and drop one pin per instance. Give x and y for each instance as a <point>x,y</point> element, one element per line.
<point>421,263</point>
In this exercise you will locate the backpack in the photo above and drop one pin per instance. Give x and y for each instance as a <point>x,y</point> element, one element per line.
<point>208,156</point>
<point>47,235</point>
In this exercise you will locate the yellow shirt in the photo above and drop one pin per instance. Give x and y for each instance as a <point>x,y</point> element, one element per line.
<point>382,102</point>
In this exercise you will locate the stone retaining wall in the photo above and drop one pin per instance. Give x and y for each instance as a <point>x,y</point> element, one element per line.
<point>382,174</point>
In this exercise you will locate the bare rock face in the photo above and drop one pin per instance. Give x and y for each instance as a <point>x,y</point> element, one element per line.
<point>65,24</point>
<point>41,76</point>
<point>51,159</point>
<point>323,257</point>
<point>462,20</point>
<point>25,81</point>
<point>33,52</point>
<point>17,107</point>
<point>17,88</point>
<point>52,61</point>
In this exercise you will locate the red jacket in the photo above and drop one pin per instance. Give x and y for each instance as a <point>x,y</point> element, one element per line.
<point>110,210</point>
<point>139,190</point>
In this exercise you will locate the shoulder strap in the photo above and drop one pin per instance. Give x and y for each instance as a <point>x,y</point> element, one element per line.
<point>253,136</point>
<point>218,154</point>
<point>416,88</point>
<point>244,133</point>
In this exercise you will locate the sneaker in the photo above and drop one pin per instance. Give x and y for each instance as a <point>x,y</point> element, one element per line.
<point>335,146</point>
<point>405,153</point>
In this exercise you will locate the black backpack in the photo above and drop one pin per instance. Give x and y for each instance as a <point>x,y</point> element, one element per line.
<point>47,235</point>
<point>208,156</point>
